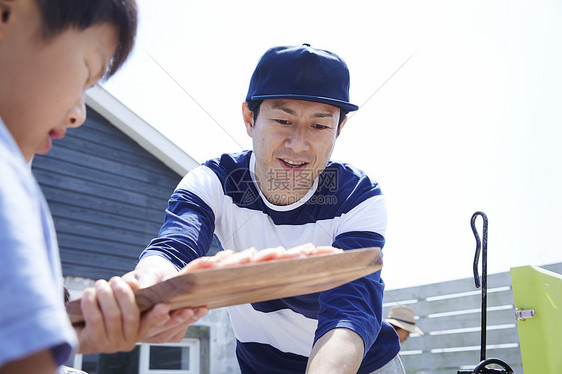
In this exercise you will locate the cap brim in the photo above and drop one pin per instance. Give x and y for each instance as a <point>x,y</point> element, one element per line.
<point>348,107</point>
<point>405,326</point>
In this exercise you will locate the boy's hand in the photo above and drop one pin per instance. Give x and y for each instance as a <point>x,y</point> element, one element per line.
<point>160,325</point>
<point>111,316</point>
<point>113,321</point>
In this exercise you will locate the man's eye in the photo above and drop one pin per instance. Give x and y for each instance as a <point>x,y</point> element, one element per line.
<point>320,127</point>
<point>283,121</point>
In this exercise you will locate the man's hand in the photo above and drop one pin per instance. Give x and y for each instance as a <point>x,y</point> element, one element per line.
<point>339,351</point>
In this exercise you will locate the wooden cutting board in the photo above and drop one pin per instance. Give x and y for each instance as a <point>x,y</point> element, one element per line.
<point>250,283</point>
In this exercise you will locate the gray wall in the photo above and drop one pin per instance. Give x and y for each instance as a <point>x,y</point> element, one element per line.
<point>450,316</point>
<point>107,196</point>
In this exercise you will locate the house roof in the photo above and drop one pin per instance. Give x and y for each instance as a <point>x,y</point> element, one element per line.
<point>123,118</point>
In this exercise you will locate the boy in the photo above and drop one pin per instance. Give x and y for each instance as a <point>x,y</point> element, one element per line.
<point>51,51</point>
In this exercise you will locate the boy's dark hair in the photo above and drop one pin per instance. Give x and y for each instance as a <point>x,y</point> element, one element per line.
<point>254,106</point>
<point>59,15</point>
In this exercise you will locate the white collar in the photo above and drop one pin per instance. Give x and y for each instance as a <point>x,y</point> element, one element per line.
<point>281,208</point>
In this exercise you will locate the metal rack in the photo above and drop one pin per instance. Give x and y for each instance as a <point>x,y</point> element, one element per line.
<point>482,367</point>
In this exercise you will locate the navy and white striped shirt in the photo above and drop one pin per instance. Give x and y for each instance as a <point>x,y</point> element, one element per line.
<point>344,208</point>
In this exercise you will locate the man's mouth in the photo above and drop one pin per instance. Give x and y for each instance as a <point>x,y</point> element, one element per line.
<point>293,164</point>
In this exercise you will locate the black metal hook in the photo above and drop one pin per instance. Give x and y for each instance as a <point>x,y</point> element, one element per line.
<point>479,244</point>
<point>484,245</point>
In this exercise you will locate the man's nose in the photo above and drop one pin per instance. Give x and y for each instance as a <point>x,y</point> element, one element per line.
<point>297,140</point>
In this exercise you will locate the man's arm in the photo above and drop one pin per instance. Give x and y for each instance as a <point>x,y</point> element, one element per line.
<point>339,351</point>
<point>187,233</point>
<point>37,363</point>
<point>151,270</point>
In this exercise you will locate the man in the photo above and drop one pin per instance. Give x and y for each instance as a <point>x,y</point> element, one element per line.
<point>286,192</point>
<point>402,319</point>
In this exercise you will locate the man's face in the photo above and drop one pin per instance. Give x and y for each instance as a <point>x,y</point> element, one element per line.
<point>292,142</point>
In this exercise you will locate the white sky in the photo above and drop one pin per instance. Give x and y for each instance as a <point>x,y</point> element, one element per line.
<point>470,122</point>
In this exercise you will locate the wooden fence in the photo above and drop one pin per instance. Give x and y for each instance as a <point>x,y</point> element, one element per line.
<point>450,313</point>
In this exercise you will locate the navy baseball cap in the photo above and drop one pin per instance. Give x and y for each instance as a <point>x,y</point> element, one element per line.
<point>301,73</point>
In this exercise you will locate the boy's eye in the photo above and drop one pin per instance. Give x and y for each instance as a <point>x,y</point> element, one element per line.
<point>89,82</point>
<point>94,74</point>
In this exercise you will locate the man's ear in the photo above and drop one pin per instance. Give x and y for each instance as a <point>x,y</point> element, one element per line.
<point>248,117</point>
<point>340,127</point>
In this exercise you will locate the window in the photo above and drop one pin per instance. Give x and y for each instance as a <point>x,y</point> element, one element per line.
<point>168,358</point>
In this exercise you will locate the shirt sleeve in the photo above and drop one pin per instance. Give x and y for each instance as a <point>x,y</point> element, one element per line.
<point>189,223</point>
<point>357,305</point>
<point>32,316</point>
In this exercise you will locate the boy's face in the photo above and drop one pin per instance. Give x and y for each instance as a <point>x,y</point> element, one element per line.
<point>292,142</point>
<point>43,83</point>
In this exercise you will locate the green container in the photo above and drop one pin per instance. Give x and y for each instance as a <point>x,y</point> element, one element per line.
<point>540,337</point>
